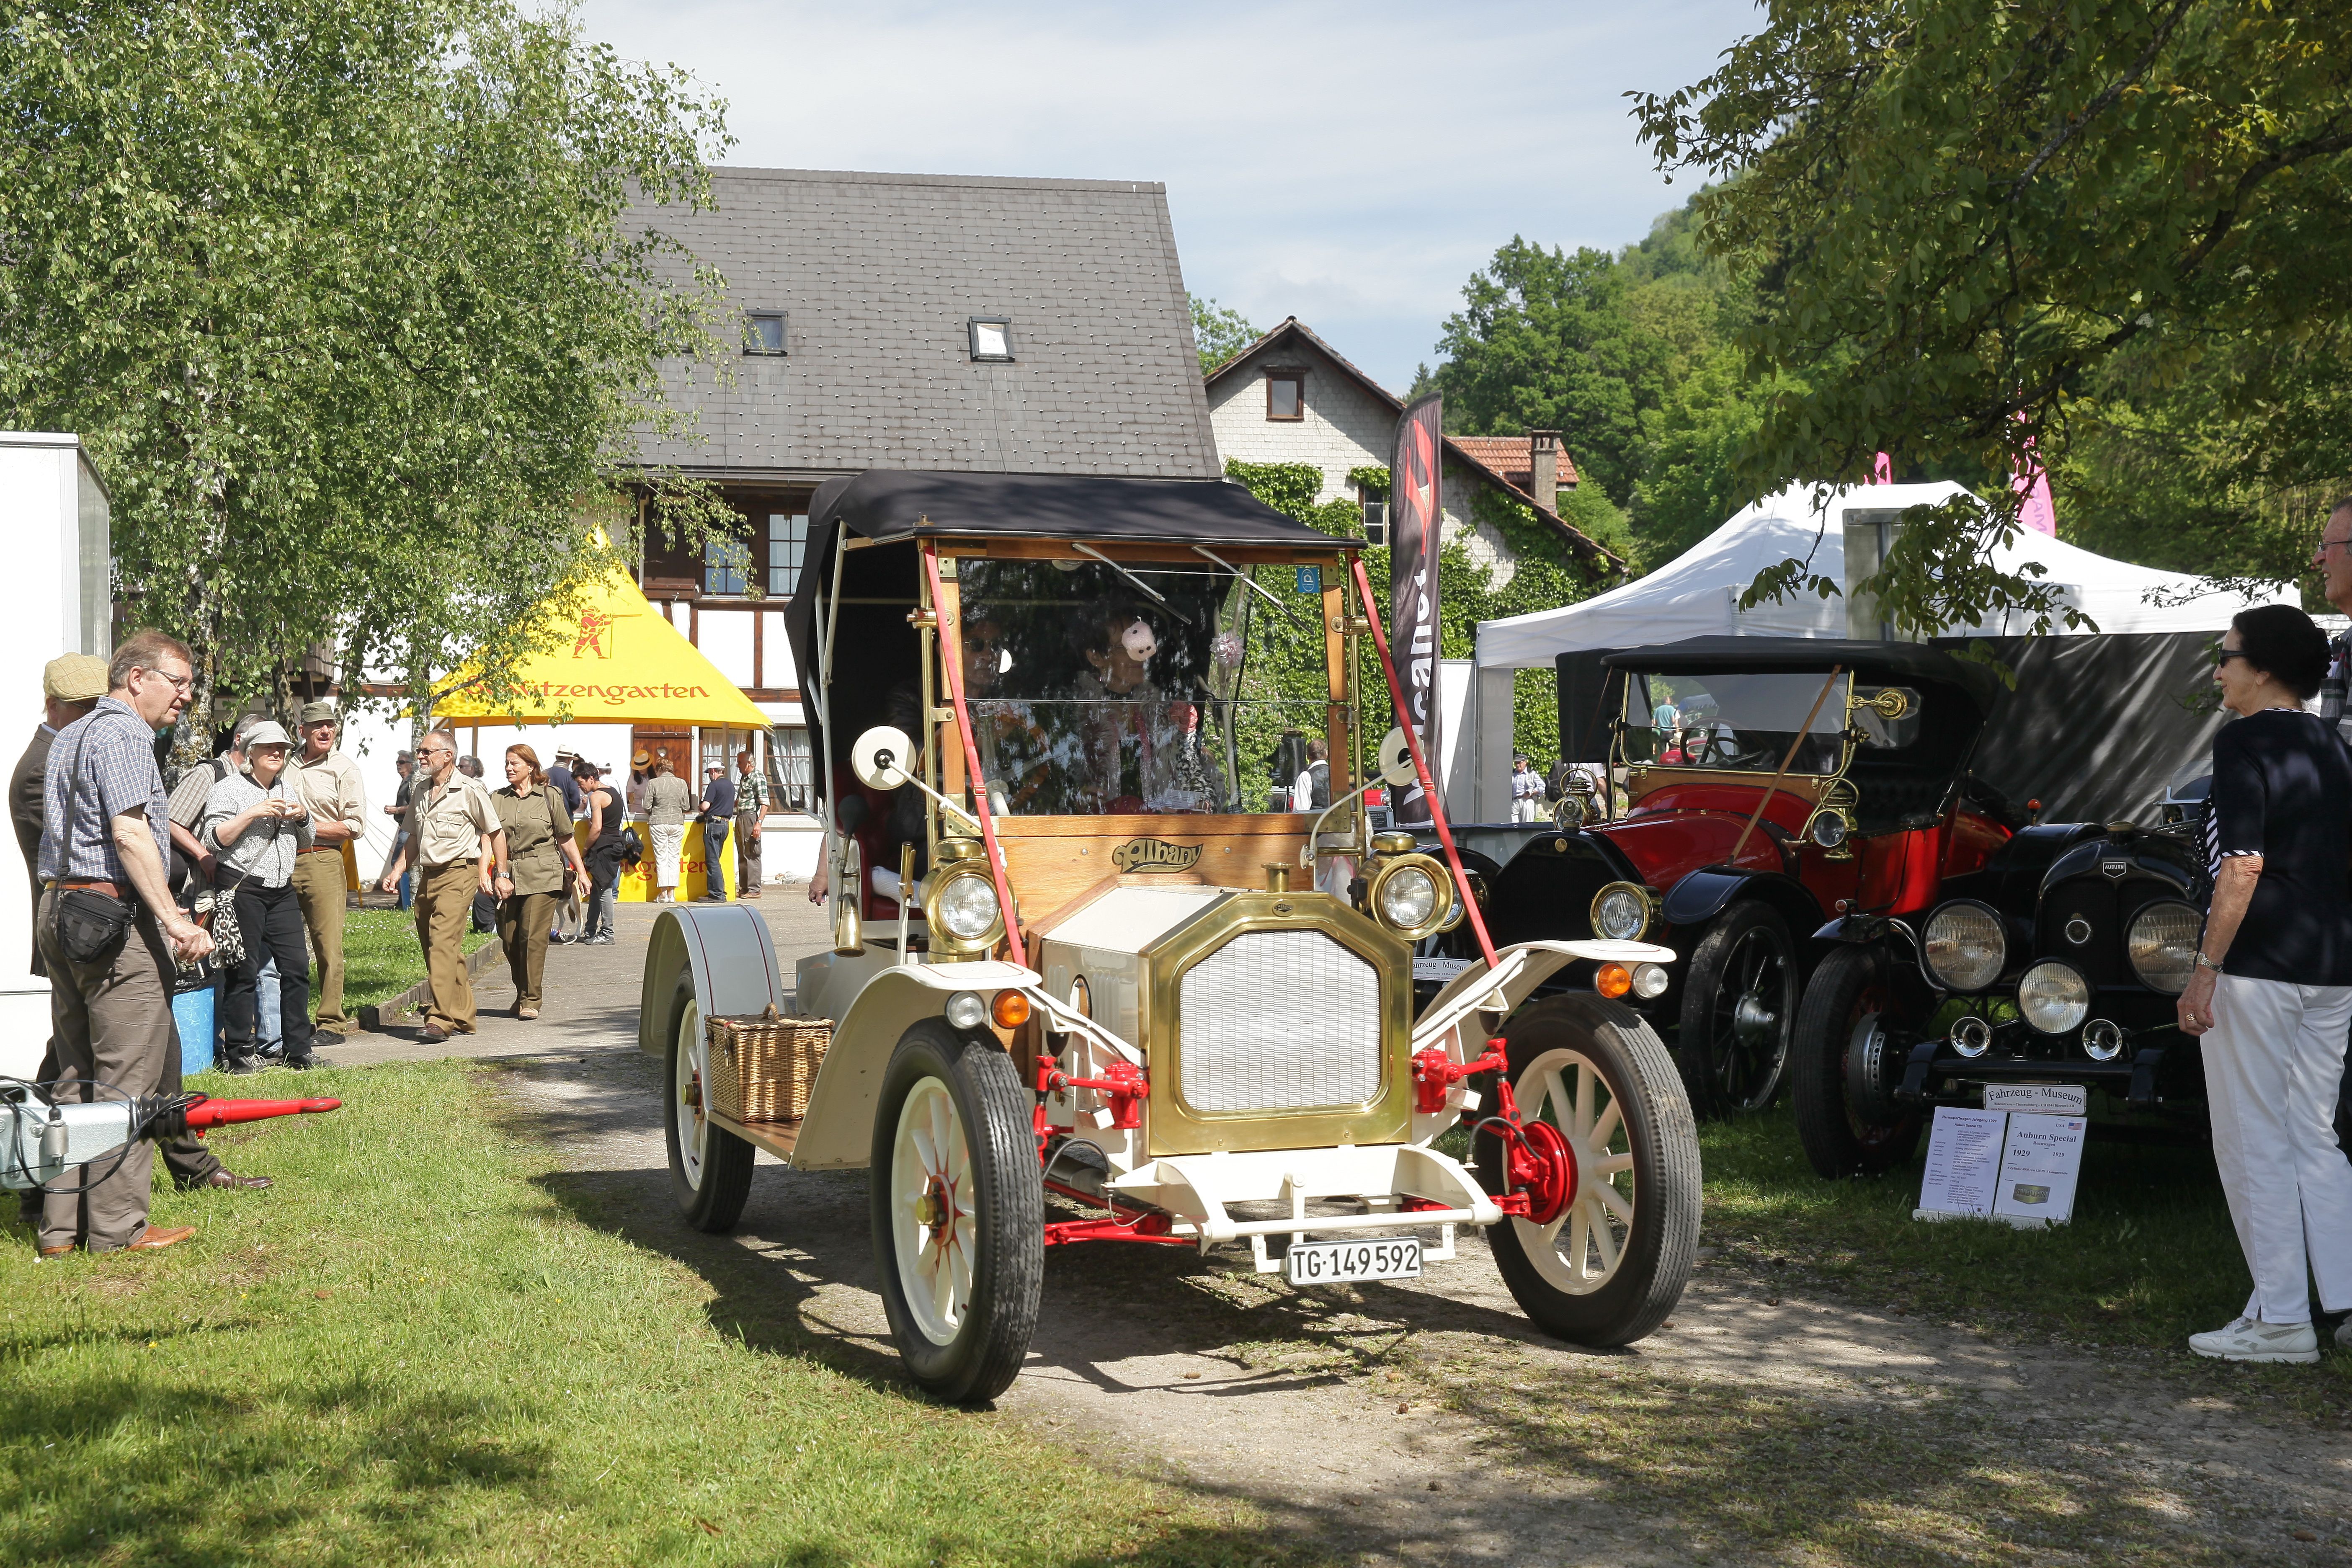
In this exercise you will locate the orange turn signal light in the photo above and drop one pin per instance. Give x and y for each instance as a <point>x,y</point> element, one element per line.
<point>1613,980</point>
<point>1011,1011</point>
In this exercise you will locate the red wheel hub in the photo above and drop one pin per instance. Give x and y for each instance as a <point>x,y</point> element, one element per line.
<point>1544,1167</point>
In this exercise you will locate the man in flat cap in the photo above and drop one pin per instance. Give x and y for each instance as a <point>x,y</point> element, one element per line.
<point>328,783</point>
<point>71,683</point>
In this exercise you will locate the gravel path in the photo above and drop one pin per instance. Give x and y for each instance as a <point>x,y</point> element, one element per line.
<point>1424,1422</point>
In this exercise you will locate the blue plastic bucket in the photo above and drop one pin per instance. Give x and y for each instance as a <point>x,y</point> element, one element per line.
<point>193,1012</point>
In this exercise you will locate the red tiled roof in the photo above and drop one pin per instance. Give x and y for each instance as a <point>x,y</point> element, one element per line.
<point>1507,456</point>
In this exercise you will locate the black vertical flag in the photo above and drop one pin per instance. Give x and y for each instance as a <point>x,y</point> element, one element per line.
<point>1416,503</point>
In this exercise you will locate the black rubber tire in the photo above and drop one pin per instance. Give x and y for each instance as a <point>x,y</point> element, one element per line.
<point>716,1202</point>
<point>1848,983</point>
<point>1009,1209</point>
<point>1661,1244</point>
<point>1722,1077</point>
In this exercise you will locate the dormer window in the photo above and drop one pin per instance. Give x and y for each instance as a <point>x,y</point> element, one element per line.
<point>763,332</point>
<point>992,338</point>
<point>1285,394</point>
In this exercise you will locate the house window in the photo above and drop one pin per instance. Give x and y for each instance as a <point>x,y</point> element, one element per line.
<point>763,332</point>
<point>1376,523</point>
<point>726,563</point>
<point>992,338</point>
<point>790,779</point>
<point>787,538</point>
<point>1285,394</point>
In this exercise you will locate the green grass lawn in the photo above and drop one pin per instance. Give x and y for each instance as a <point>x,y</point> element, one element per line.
<point>2149,1259</point>
<point>381,958</point>
<point>407,1352</point>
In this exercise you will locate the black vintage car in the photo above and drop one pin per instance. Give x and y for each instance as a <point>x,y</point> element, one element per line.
<point>2056,963</point>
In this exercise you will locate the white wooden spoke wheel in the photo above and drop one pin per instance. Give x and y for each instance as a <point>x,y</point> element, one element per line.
<point>1611,1264</point>
<point>932,1221</point>
<point>687,1078</point>
<point>1583,1247</point>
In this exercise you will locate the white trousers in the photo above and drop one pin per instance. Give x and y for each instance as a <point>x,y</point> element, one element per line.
<point>669,846</point>
<point>2274,1059</point>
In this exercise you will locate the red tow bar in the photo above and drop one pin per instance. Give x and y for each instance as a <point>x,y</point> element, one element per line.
<point>210,1113</point>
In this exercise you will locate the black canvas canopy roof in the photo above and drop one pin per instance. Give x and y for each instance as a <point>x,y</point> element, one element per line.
<point>1741,655</point>
<point>899,506</point>
<point>894,503</point>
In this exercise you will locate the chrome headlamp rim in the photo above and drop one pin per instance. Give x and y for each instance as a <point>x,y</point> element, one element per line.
<point>1829,828</point>
<point>2076,1004</point>
<point>2163,980</point>
<point>945,939</point>
<point>1649,903</point>
<point>1442,902</point>
<point>1927,935</point>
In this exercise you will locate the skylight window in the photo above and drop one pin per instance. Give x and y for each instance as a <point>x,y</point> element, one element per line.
<point>763,332</point>
<point>992,338</point>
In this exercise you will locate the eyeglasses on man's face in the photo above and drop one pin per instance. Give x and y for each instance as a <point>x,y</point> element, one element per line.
<point>180,683</point>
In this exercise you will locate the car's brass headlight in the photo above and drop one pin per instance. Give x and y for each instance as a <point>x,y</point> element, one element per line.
<point>1622,911</point>
<point>961,909</point>
<point>2162,945</point>
<point>1964,946</point>
<point>1411,895</point>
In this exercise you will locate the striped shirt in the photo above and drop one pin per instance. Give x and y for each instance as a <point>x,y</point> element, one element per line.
<point>101,766</point>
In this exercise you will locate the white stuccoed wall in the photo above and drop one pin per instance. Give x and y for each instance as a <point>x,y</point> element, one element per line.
<point>1345,428</point>
<point>54,515</point>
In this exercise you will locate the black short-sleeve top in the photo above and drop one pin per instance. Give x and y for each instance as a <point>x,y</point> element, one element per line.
<point>2283,790</point>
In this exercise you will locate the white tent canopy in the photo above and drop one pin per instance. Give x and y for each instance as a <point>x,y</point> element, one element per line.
<point>1698,593</point>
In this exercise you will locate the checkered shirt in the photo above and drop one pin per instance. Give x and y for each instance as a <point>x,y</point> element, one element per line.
<point>2332,706</point>
<point>112,751</point>
<point>752,794</point>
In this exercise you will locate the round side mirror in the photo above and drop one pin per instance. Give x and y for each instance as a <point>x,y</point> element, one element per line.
<point>879,756</point>
<point>1396,760</point>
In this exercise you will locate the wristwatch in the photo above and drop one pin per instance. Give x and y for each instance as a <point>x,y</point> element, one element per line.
<point>2205,962</point>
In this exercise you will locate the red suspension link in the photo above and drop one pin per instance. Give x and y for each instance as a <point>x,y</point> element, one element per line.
<point>1435,1073</point>
<point>1123,1083</point>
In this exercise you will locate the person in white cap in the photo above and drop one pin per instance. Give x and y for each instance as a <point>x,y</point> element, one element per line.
<point>256,826</point>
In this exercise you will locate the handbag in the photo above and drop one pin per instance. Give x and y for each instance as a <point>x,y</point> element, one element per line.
<point>632,848</point>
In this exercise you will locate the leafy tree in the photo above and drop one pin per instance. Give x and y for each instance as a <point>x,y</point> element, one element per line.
<point>1989,233</point>
<point>1219,333</point>
<point>340,294</point>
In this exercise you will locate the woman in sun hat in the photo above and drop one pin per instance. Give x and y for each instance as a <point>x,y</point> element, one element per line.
<point>255,824</point>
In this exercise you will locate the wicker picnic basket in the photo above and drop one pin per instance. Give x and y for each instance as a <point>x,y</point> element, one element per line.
<point>762,1068</point>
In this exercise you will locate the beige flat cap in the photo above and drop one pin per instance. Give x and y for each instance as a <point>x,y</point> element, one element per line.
<point>73,677</point>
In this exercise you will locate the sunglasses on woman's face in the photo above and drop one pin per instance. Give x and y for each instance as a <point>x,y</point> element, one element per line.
<point>2226,655</point>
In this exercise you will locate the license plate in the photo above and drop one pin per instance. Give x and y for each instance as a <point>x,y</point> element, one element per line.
<point>1332,1262</point>
<point>2059,1098</point>
<point>1438,969</point>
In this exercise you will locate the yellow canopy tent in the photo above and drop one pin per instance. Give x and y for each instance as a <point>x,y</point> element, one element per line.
<point>617,661</point>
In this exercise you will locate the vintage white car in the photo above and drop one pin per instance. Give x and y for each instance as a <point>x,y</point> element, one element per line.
<point>1117,957</point>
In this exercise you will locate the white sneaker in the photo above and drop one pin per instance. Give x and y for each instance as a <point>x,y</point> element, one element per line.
<point>2246,1340</point>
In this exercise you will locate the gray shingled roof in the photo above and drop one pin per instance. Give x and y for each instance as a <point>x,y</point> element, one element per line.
<point>879,274</point>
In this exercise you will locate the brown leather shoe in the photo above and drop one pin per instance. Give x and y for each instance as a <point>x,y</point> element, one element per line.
<point>224,1177</point>
<point>153,1240</point>
<point>50,1252</point>
<point>434,1033</point>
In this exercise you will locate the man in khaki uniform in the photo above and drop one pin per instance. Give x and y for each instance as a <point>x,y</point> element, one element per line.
<point>459,847</point>
<point>328,783</point>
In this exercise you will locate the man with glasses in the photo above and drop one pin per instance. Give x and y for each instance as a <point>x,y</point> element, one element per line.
<point>110,931</point>
<point>460,848</point>
<point>2332,558</point>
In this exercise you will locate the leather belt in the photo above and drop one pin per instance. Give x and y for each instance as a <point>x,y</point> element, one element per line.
<point>322,850</point>
<point>95,886</point>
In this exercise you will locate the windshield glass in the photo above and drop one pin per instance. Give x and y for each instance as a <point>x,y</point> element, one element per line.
<point>1090,696</point>
<point>1747,722</point>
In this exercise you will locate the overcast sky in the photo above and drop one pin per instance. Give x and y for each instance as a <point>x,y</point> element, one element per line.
<point>1350,165</point>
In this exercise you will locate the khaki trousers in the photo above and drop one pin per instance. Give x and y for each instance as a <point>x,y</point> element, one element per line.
<point>524,921</point>
<point>319,885</point>
<point>747,855</point>
<point>112,1022</point>
<point>445,897</point>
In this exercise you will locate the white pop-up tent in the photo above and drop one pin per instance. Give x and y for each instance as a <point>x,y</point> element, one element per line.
<point>1697,595</point>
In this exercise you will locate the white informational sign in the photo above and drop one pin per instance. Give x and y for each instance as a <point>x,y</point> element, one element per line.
<point>1963,1163</point>
<point>2038,1165</point>
<point>2057,1099</point>
<point>1438,969</point>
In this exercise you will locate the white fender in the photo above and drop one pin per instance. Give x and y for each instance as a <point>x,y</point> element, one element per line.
<point>727,949</point>
<point>1450,1019</point>
<point>838,1133</point>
